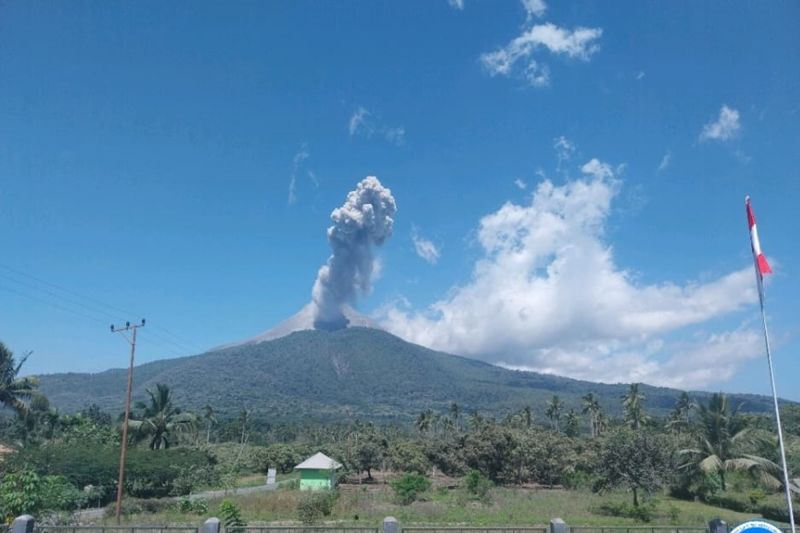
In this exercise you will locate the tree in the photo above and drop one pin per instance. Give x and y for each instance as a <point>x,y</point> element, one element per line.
<point>211,418</point>
<point>553,412</point>
<point>679,419</point>
<point>724,444</point>
<point>638,460</point>
<point>14,390</point>
<point>572,424</point>
<point>527,416</point>
<point>591,406</point>
<point>407,456</point>
<point>424,421</point>
<point>160,420</point>
<point>633,404</point>
<point>368,455</point>
<point>455,415</point>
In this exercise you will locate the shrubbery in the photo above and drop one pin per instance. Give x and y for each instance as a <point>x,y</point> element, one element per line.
<point>643,512</point>
<point>196,506</point>
<point>478,484</point>
<point>149,473</point>
<point>25,492</point>
<point>231,517</point>
<point>409,487</point>
<point>312,506</point>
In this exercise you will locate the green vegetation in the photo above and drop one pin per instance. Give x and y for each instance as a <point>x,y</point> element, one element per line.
<point>159,421</point>
<point>356,373</point>
<point>591,462</point>
<point>313,506</point>
<point>410,486</point>
<point>231,516</point>
<point>14,390</point>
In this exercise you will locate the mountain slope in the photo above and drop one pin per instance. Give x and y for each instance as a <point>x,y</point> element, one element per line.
<point>359,372</point>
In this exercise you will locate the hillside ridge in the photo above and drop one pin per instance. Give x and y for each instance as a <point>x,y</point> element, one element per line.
<point>355,372</point>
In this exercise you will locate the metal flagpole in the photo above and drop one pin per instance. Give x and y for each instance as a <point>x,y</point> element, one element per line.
<point>761,268</point>
<point>761,297</point>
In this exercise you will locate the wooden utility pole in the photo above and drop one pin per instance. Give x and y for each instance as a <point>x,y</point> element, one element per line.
<point>124,448</point>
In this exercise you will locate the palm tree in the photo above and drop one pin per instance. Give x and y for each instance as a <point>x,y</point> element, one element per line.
<point>211,418</point>
<point>527,416</point>
<point>679,419</point>
<point>424,421</point>
<point>159,420</point>
<point>633,403</point>
<point>572,424</point>
<point>591,406</point>
<point>15,391</point>
<point>723,442</point>
<point>553,412</point>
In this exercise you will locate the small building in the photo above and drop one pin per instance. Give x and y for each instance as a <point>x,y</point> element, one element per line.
<point>318,472</point>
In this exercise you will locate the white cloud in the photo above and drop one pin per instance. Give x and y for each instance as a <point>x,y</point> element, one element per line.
<point>546,295</point>
<point>640,75</point>
<point>358,122</point>
<point>521,185</point>
<point>457,4</point>
<point>598,170</point>
<point>366,124</point>
<point>534,8</point>
<point>665,161</point>
<point>425,248</point>
<point>395,135</point>
<point>564,150</point>
<point>516,56</point>
<point>726,127</point>
<point>297,161</point>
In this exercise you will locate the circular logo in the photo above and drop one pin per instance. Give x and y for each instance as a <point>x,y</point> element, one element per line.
<point>756,526</point>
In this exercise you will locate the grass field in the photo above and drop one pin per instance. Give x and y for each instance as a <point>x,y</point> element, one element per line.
<point>368,505</point>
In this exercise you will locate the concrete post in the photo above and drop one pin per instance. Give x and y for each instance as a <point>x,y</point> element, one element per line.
<point>22,524</point>
<point>212,525</point>
<point>717,526</point>
<point>558,526</point>
<point>390,525</point>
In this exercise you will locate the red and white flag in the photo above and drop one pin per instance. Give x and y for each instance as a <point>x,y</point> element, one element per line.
<point>762,267</point>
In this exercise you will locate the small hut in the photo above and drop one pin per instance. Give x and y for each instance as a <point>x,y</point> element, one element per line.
<point>318,472</point>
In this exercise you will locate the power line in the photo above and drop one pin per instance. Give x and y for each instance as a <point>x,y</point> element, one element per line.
<point>162,336</point>
<point>57,302</point>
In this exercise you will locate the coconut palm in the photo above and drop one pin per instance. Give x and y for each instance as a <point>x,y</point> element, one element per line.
<point>160,420</point>
<point>591,406</point>
<point>553,412</point>
<point>633,404</point>
<point>679,419</point>
<point>723,445</point>
<point>211,418</point>
<point>15,391</point>
<point>424,421</point>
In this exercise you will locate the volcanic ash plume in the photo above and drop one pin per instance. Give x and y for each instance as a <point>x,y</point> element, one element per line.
<point>361,223</point>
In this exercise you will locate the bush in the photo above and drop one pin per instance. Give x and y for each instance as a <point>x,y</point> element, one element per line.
<point>231,517</point>
<point>409,487</point>
<point>644,512</point>
<point>478,484</point>
<point>314,505</point>
<point>58,494</point>
<point>197,506</point>
<point>20,493</point>
<point>149,473</point>
<point>132,506</point>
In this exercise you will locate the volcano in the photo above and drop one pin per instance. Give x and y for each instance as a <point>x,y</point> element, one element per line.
<point>305,320</point>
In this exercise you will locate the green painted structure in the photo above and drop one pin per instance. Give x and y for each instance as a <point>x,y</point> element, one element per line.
<point>318,472</point>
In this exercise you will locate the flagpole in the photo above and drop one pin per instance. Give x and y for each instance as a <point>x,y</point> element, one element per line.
<point>761,297</point>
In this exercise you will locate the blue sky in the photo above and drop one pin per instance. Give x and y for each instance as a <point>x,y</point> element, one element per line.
<point>572,176</point>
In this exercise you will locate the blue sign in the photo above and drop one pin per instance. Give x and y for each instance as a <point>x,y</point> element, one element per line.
<point>756,526</point>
